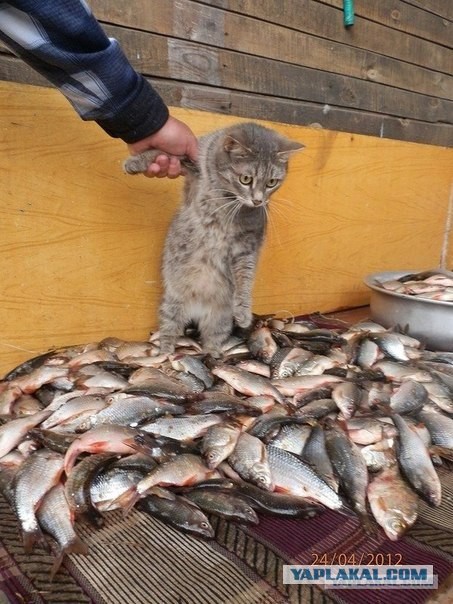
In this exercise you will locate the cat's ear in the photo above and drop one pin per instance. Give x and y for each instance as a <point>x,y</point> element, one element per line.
<point>288,146</point>
<point>233,146</point>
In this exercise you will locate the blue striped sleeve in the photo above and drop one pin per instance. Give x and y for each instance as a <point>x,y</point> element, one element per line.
<point>62,40</point>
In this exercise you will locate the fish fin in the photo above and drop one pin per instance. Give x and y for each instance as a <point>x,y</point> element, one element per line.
<point>126,500</point>
<point>368,525</point>
<point>383,408</point>
<point>30,538</point>
<point>70,456</point>
<point>162,493</point>
<point>76,547</point>
<point>346,510</point>
<point>444,452</point>
<point>143,442</point>
<point>278,489</point>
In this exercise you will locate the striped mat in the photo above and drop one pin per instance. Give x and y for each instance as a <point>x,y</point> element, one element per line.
<point>140,560</point>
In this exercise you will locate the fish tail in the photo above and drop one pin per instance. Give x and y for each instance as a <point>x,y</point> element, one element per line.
<point>444,452</point>
<point>30,538</point>
<point>76,547</point>
<point>70,457</point>
<point>368,525</point>
<point>142,443</point>
<point>126,500</point>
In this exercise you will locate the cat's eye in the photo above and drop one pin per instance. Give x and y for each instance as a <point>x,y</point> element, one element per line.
<point>245,179</point>
<point>271,183</point>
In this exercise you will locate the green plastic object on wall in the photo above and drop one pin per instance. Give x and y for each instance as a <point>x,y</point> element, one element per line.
<point>348,12</point>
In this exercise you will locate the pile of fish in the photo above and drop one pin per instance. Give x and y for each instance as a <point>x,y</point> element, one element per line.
<point>431,285</point>
<point>296,417</point>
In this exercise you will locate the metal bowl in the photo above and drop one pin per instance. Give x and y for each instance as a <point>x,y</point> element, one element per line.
<point>430,321</point>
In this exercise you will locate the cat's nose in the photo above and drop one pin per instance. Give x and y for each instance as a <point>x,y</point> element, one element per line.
<point>257,201</point>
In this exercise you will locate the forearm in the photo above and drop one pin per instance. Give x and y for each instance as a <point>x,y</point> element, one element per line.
<point>63,41</point>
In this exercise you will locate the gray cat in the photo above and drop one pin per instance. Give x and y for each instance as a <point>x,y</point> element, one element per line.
<point>211,249</point>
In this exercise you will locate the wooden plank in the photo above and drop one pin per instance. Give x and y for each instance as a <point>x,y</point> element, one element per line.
<point>230,102</point>
<point>444,8</point>
<point>189,20</point>
<point>403,17</point>
<point>327,22</point>
<point>187,61</point>
<point>80,246</point>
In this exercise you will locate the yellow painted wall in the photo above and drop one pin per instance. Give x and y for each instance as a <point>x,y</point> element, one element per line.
<point>80,241</point>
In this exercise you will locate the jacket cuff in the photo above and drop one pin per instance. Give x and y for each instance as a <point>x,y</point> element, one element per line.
<point>144,116</point>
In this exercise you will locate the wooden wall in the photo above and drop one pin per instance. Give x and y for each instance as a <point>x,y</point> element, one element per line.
<point>80,241</point>
<point>293,61</point>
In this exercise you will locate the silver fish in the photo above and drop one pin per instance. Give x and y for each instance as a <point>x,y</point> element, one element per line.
<point>315,454</point>
<point>74,408</point>
<point>398,372</point>
<point>77,486</point>
<point>247,383</point>
<point>440,394</point>
<point>439,425</point>
<point>409,397</point>
<point>183,470</point>
<point>379,455</point>
<point>391,345</point>
<point>368,430</point>
<point>13,432</point>
<point>416,463</point>
<point>226,505</point>
<point>131,411</point>
<point>349,466</point>
<point>249,460</point>
<point>218,443</point>
<point>317,365</point>
<point>291,475</point>
<point>393,503</point>
<point>368,354</point>
<point>178,512</point>
<point>298,384</point>
<point>36,476</point>
<point>55,518</point>
<point>292,437</point>
<point>110,484</point>
<point>193,365</point>
<point>182,428</point>
<point>261,344</point>
<point>347,397</point>
<point>287,361</point>
<point>255,366</point>
<point>99,439</point>
<point>89,357</point>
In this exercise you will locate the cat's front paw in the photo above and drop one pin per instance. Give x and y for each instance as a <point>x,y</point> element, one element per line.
<point>243,316</point>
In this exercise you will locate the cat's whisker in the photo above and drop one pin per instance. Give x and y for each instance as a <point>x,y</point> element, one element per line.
<point>274,230</point>
<point>279,212</point>
<point>233,212</point>
<point>228,204</point>
<point>289,202</point>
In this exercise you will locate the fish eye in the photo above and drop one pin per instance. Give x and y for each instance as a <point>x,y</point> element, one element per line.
<point>204,525</point>
<point>245,179</point>
<point>272,182</point>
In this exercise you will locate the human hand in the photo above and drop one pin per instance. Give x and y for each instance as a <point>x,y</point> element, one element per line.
<point>176,139</point>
